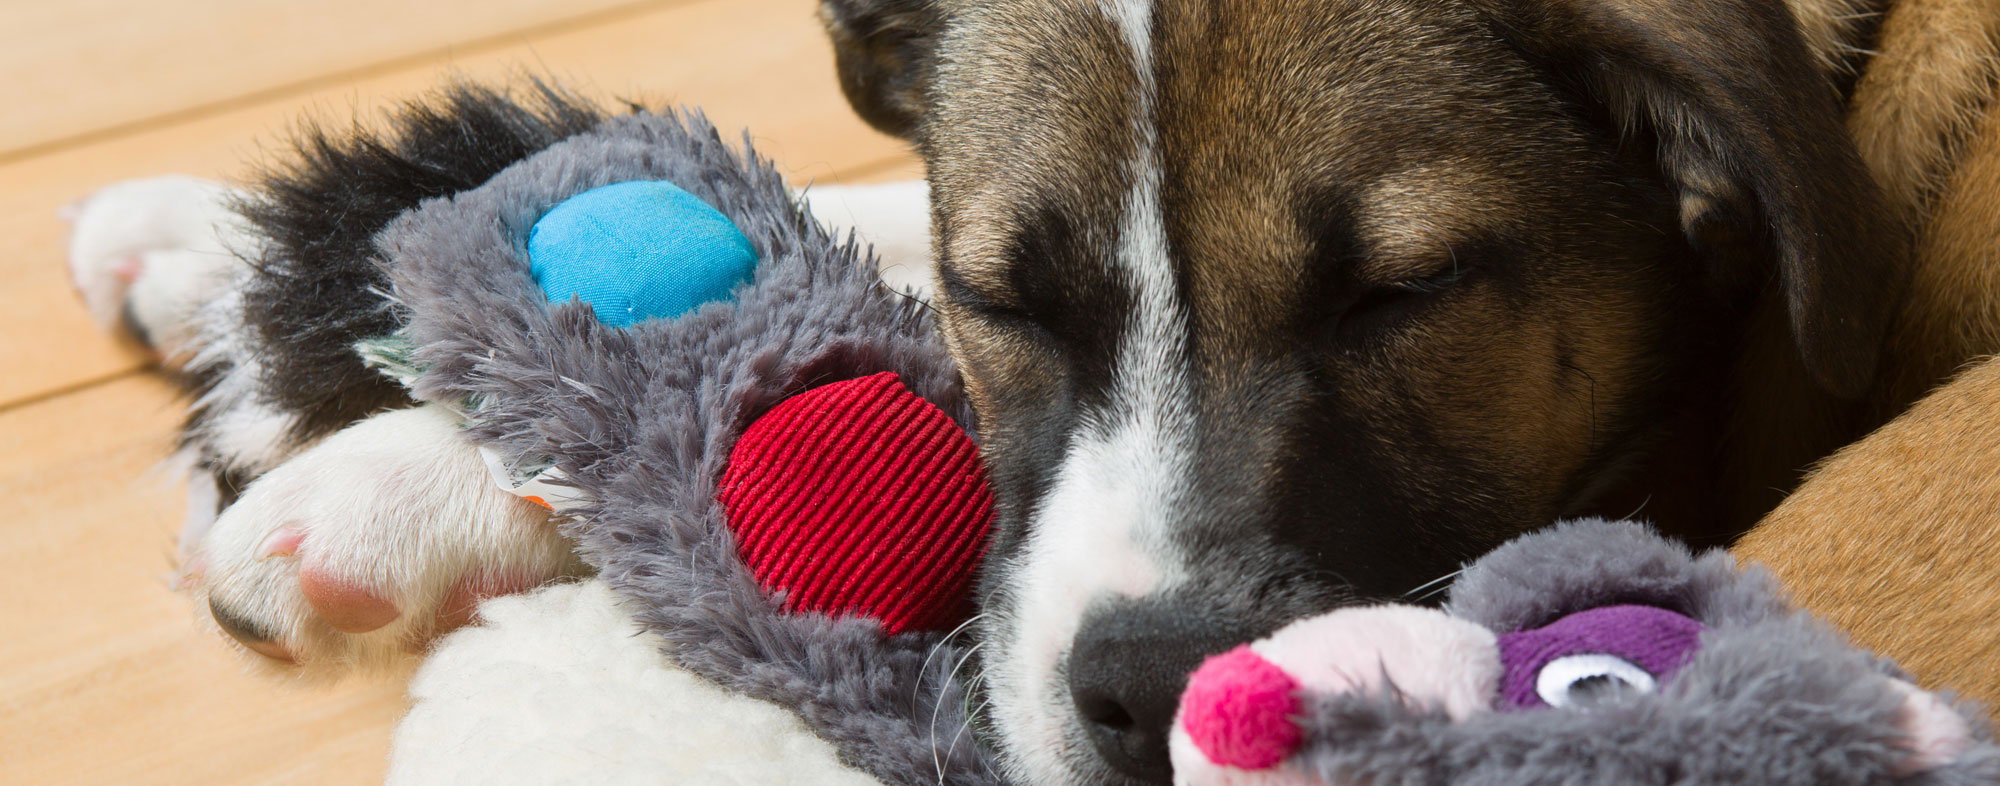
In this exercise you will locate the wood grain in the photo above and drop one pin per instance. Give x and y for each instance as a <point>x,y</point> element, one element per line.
<point>760,64</point>
<point>106,674</point>
<point>88,65</point>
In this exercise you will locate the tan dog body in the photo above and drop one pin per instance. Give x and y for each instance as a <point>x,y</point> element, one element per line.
<point>1897,537</point>
<point>1894,539</point>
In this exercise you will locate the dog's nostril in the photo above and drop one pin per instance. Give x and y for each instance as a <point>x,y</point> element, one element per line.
<point>1131,745</point>
<point>1126,670</point>
<point>1105,712</point>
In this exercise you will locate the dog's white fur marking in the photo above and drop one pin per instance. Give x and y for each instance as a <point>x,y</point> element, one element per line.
<point>1135,20</point>
<point>242,431</point>
<point>399,503</point>
<point>167,253</point>
<point>1103,530</point>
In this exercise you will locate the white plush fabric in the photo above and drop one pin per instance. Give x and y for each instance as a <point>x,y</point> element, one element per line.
<point>559,686</point>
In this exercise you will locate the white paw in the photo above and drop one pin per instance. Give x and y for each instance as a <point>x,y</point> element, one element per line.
<point>894,217</point>
<point>366,546</point>
<point>146,255</point>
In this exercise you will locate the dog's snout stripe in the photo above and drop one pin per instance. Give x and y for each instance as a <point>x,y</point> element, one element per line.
<point>1135,20</point>
<point>1103,530</point>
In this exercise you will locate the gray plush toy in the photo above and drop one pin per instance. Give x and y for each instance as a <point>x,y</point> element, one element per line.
<point>640,422</point>
<point>691,393</point>
<point>1592,652</point>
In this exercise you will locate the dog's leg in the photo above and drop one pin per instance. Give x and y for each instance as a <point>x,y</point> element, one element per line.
<point>363,547</point>
<point>391,525</point>
<point>148,256</point>
<point>1893,538</point>
<point>894,217</point>
<point>162,260</point>
<point>1918,106</point>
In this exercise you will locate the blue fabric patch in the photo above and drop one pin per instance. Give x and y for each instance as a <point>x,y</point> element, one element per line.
<point>638,250</point>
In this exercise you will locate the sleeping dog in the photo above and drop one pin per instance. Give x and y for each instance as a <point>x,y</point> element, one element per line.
<point>1272,306</point>
<point>1276,305</point>
<point>1266,307</point>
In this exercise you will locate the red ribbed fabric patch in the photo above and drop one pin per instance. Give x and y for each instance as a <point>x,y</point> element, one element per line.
<point>859,497</point>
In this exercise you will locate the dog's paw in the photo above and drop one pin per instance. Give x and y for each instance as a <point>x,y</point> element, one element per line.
<point>366,546</point>
<point>147,255</point>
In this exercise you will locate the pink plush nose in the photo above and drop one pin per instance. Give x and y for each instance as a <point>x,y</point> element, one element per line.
<point>1238,711</point>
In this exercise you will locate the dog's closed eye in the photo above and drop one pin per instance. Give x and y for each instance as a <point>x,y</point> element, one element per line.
<point>1380,307</point>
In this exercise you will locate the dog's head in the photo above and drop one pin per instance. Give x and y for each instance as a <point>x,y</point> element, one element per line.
<point>1268,306</point>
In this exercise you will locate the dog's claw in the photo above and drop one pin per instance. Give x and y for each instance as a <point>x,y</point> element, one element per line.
<point>247,633</point>
<point>284,542</point>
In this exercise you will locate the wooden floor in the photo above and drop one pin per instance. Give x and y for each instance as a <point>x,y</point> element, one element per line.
<point>104,675</point>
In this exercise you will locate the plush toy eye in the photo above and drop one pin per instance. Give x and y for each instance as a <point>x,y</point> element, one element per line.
<point>1593,656</point>
<point>1590,678</point>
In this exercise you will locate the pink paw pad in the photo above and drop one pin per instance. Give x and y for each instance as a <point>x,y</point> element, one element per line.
<point>345,605</point>
<point>461,604</point>
<point>1238,711</point>
<point>128,268</point>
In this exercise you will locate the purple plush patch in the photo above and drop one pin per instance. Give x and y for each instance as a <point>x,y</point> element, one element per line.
<point>1654,639</point>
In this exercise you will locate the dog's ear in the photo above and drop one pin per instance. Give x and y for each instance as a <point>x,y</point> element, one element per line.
<point>1749,131</point>
<point>884,52</point>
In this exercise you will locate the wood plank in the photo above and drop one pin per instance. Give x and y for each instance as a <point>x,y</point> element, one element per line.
<point>124,60</point>
<point>104,675</point>
<point>757,63</point>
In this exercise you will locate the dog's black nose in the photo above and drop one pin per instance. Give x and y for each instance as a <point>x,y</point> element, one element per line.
<point>1126,671</point>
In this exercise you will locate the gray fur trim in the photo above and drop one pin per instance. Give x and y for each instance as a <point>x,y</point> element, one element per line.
<point>643,419</point>
<point>1584,564</point>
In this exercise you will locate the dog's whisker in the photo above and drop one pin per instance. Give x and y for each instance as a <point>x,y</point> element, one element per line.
<point>1447,247</point>
<point>1431,594</point>
<point>963,727</point>
<point>938,709</point>
<point>916,692</point>
<point>1434,582</point>
<point>1593,395</point>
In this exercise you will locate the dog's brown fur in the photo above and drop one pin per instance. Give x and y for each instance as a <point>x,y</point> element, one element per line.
<point>1726,345</point>
<point>1897,537</point>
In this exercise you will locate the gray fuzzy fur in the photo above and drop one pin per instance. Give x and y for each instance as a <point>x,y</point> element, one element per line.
<point>643,418</point>
<point>1772,697</point>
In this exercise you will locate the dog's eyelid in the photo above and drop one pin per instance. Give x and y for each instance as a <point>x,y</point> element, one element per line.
<point>1377,304</point>
<point>972,298</point>
<point>1433,282</point>
<point>1434,269</point>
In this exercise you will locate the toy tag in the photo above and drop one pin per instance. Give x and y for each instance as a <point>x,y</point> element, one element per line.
<point>532,482</point>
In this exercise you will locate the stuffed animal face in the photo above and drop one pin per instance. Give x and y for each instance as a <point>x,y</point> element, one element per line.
<point>1592,653</point>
